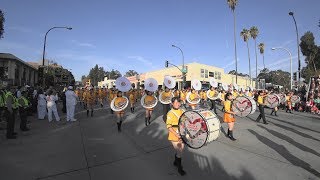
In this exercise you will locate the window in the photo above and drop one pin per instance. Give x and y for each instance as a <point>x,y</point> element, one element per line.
<point>206,73</point>
<point>211,74</point>
<point>217,75</point>
<point>202,73</point>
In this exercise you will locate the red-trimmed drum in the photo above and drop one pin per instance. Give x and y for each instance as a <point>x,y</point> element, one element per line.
<point>199,127</point>
<point>282,97</point>
<point>295,99</point>
<point>272,100</point>
<point>243,106</point>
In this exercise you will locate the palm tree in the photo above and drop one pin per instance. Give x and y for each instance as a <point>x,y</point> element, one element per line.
<point>232,4</point>
<point>261,48</point>
<point>254,34</point>
<point>245,34</point>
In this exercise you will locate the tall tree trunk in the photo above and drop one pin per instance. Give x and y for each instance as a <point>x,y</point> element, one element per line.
<point>255,50</point>
<point>235,45</point>
<point>249,63</point>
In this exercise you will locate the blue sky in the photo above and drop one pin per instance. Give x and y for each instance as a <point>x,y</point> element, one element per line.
<point>137,34</point>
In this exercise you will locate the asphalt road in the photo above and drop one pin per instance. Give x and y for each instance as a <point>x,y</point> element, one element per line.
<point>92,149</point>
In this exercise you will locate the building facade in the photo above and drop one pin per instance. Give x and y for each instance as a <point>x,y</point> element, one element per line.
<point>198,71</point>
<point>14,71</point>
<point>107,83</point>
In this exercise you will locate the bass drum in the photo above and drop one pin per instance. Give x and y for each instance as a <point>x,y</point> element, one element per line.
<point>272,101</point>
<point>295,99</point>
<point>243,106</point>
<point>198,128</point>
<point>282,97</point>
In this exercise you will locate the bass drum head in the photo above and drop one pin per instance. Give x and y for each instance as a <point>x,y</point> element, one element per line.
<point>282,97</point>
<point>195,130</point>
<point>254,105</point>
<point>242,106</point>
<point>272,101</point>
<point>295,99</point>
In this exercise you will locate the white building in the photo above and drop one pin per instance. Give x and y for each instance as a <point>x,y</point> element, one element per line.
<point>107,83</point>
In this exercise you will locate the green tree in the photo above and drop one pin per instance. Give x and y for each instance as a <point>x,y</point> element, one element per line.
<point>254,32</point>
<point>232,5</point>
<point>2,20</point>
<point>277,77</point>
<point>261,49</point>
<point>131,73</point>
<point>310,50</point>
<point>114,74</point>
<point>239,74</point>
<point>245,34</point>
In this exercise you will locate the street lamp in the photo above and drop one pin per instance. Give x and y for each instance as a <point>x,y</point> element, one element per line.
<point>290,62</point>
<point>183,69</point>
<point>44,46</point>
<point>299,62</point>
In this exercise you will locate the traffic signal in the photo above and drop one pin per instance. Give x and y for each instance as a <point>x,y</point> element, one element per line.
<point>294,76</point>
<point>166,64</point>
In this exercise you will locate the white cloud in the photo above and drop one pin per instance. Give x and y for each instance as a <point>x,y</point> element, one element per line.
<point>142,60</point>
<point>83,44</point>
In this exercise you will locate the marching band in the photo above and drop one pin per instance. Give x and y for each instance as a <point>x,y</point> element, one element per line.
<point>190,114</point>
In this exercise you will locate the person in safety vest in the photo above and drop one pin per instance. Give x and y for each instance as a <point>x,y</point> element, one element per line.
<point>11,105</point>
<point>24,104</point>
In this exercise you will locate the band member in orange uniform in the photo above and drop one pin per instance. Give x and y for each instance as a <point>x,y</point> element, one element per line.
<point>132,100</point>
<point>90,99</point>
<point>228,116</point>
<point>212,92</point>
<point>119,101</point>
<point>149,99</point>
<point>289,102</point>
<point>166,107</point>
<point>174,136</point>
<point>193,96</point>
<point>260,103</point>
<point>183,96</point>
<point>111,96</point>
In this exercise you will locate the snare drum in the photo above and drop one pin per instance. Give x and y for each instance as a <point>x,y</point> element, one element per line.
<point>199,127</point>
<point>272,101</point>
<point>243,106</point>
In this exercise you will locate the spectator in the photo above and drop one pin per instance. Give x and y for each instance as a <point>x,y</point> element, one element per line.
<point>52,97</point>
<point>42,109</point>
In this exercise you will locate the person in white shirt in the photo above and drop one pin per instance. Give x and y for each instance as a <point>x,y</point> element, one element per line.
<point>42,105</point>
<point>71,101</point>
<point>51,105</point>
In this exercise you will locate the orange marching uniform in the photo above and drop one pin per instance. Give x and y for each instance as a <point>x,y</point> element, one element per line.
<point>227,117</point>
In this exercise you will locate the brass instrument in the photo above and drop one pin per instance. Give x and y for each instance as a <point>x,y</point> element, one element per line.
<point>193,101</point>
<point>214,97</point>
<point>149,104</point>
<point>120,106</point>
<point>165,100</point>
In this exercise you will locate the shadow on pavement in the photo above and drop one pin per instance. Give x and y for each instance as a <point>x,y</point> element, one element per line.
<point>280,149</point>
<point>296,131</point>
<point>292,124</point>
<point>291,141</point>
<point>195,164</point>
